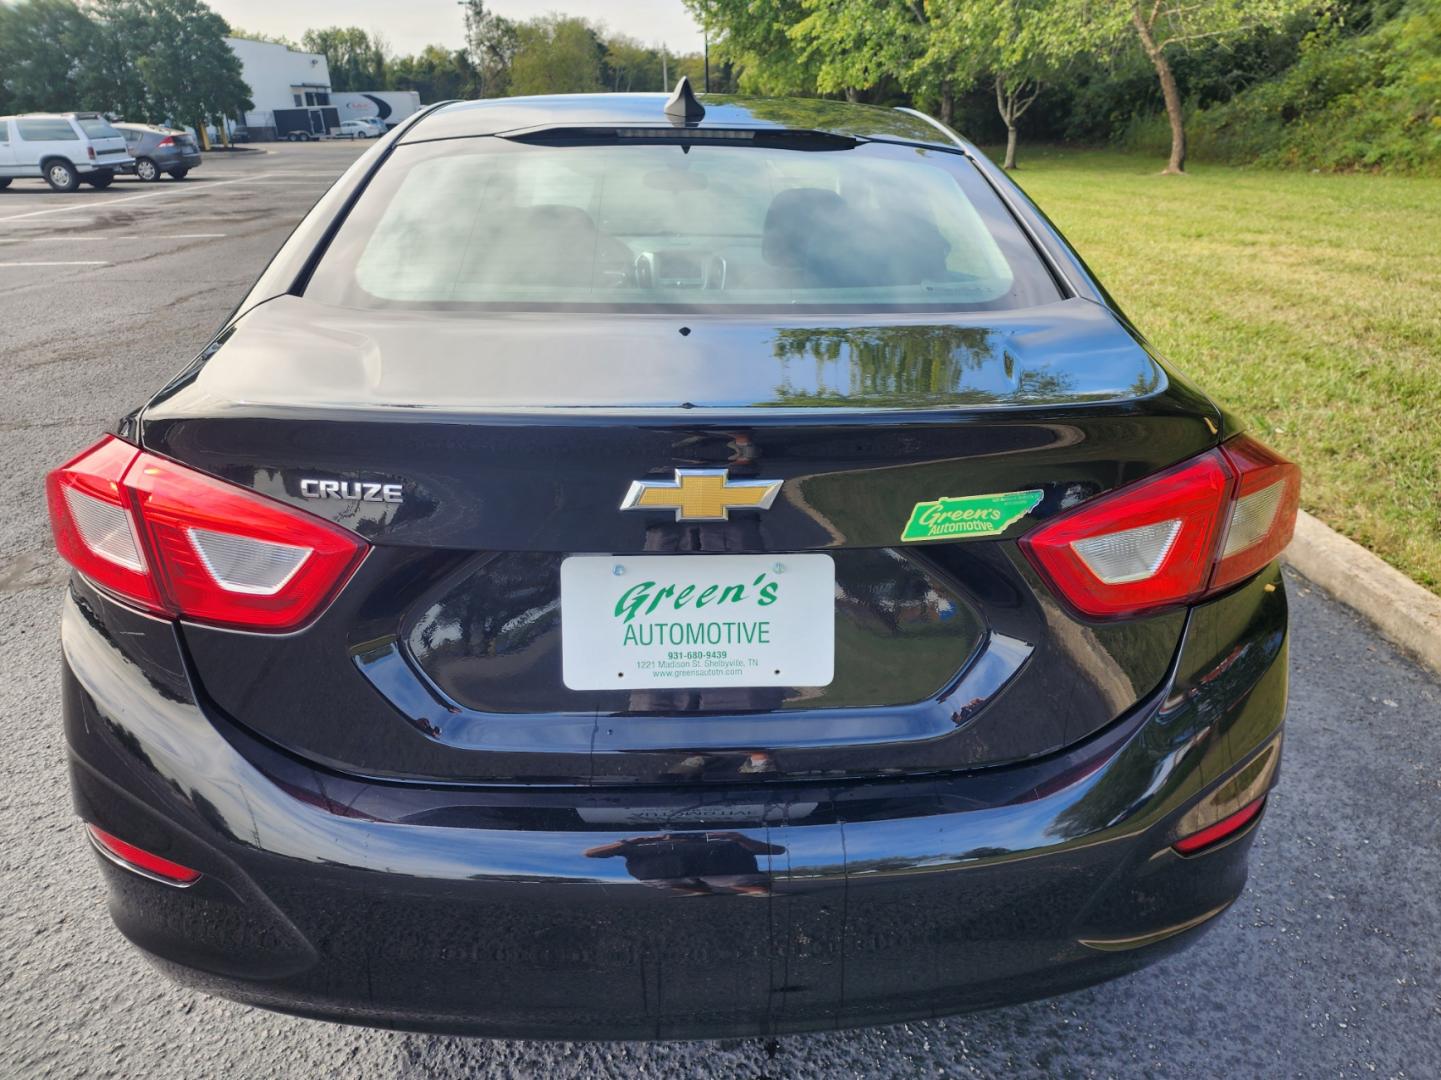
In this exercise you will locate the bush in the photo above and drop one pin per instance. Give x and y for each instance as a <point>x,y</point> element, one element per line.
<point>1351,101</point>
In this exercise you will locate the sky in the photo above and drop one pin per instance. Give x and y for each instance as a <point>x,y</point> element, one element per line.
<point>410,25</point>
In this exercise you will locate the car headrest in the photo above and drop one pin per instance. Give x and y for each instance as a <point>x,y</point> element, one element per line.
<point>554,218</point>
<point>549,244</point>
<point>835,244</point>
<point>796,219</point>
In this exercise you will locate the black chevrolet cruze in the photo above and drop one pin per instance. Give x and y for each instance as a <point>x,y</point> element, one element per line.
<point>645,568</point>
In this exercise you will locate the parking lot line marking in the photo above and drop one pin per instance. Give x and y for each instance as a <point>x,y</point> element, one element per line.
<point>47,239</point>
<point>100,237</point>
<point>197,190</point>
<point>71,221</point>
<point>81,262</point>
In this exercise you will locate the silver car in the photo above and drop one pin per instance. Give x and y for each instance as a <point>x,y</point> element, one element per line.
<point>159,150</point>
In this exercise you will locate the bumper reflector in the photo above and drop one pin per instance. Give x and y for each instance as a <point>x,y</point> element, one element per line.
<point>1214,834</point>
<point>142,862</point>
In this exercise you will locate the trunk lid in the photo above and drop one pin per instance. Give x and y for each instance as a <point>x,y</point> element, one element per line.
<point>509,443</point>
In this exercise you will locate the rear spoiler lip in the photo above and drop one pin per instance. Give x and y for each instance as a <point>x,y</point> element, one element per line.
<point>131,424</point>
<point>1072,271</point>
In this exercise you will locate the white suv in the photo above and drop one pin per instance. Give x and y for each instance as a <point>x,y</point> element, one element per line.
<point>63,149</point>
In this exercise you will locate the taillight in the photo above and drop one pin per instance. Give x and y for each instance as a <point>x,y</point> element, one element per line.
<point>183,544</point>
<point>1144,546</point>
<point>1174,537</point>
<point>1263,512</point>
<point>167,141</point>
<point>91,151</point>
<point>95,530</point>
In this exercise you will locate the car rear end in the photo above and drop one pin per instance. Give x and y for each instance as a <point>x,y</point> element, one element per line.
<point>105,148</point>
<point>640,583</point>
<point>170,149</point>
<point>176,149</point>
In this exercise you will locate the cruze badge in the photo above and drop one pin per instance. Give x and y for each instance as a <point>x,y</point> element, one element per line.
<point>701,495</point>
<point>360,490</point>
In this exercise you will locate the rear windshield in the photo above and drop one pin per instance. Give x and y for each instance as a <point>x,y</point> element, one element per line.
<point>98,129</point>
<point>500,224</point>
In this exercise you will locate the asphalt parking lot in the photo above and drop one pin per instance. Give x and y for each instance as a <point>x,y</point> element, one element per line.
<point>1328,966</point>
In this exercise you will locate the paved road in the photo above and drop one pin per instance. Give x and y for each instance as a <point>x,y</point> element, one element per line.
<point>1328,966</point>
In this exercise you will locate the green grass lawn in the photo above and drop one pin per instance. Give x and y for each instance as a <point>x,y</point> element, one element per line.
<point>1309,304</point>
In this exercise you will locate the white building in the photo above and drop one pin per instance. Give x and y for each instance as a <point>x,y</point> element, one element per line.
<point>290,89</point>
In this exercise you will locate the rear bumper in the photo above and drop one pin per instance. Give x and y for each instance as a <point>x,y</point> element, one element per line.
<point>124,164</point>
<point>605,913</point>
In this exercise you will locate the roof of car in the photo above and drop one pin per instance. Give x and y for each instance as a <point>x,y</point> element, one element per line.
<point>496,116</point>
<point>54,116</point>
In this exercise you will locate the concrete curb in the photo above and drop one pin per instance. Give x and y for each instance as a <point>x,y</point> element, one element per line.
<point>1406,614</point>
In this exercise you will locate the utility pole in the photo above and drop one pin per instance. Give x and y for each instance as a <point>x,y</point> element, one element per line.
<point>705,36</point>
<point>664,71</point>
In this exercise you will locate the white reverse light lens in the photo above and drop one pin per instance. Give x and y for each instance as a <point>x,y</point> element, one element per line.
<point>1251,518</point>
<point>1129,555</point>
<point>240,564</point>
<point>107,530</point>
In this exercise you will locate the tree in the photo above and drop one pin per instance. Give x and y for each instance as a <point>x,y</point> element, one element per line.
<point>1019,44</point>
<point>255,35</point>
<point>435,73</point>
<point>693,66</point>
<point>42,47</point>
<point>849,47</point>
<point>1162,26</point>
<point>556,54</point>
<point>190,73</point>
<point>356,58</point>
<point>855,44</point>
<point>491,40</point>
<point>123,34</point>
<point>141,59</point>
<point>754,37</point>
<point>630,65</point>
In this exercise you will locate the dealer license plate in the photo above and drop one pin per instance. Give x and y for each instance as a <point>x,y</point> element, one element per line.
<point>679,621</point>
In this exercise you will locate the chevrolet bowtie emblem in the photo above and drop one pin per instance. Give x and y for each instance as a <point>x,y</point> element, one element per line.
<point>701,495</point>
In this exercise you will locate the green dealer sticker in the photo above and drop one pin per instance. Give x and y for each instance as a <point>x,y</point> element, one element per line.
<point>968,516</point>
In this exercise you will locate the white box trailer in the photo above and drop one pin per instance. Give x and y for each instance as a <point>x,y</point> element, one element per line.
<point>390,107</point>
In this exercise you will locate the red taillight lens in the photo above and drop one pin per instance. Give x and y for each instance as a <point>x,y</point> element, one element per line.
<point>145,862</point>
<point>180,543</point>
<point>1144,546</point>
<point>167,141</point>
<point>1263,513</point>
<point>1174,537</point>
<point>226,555</point>
<point>94,527</point>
